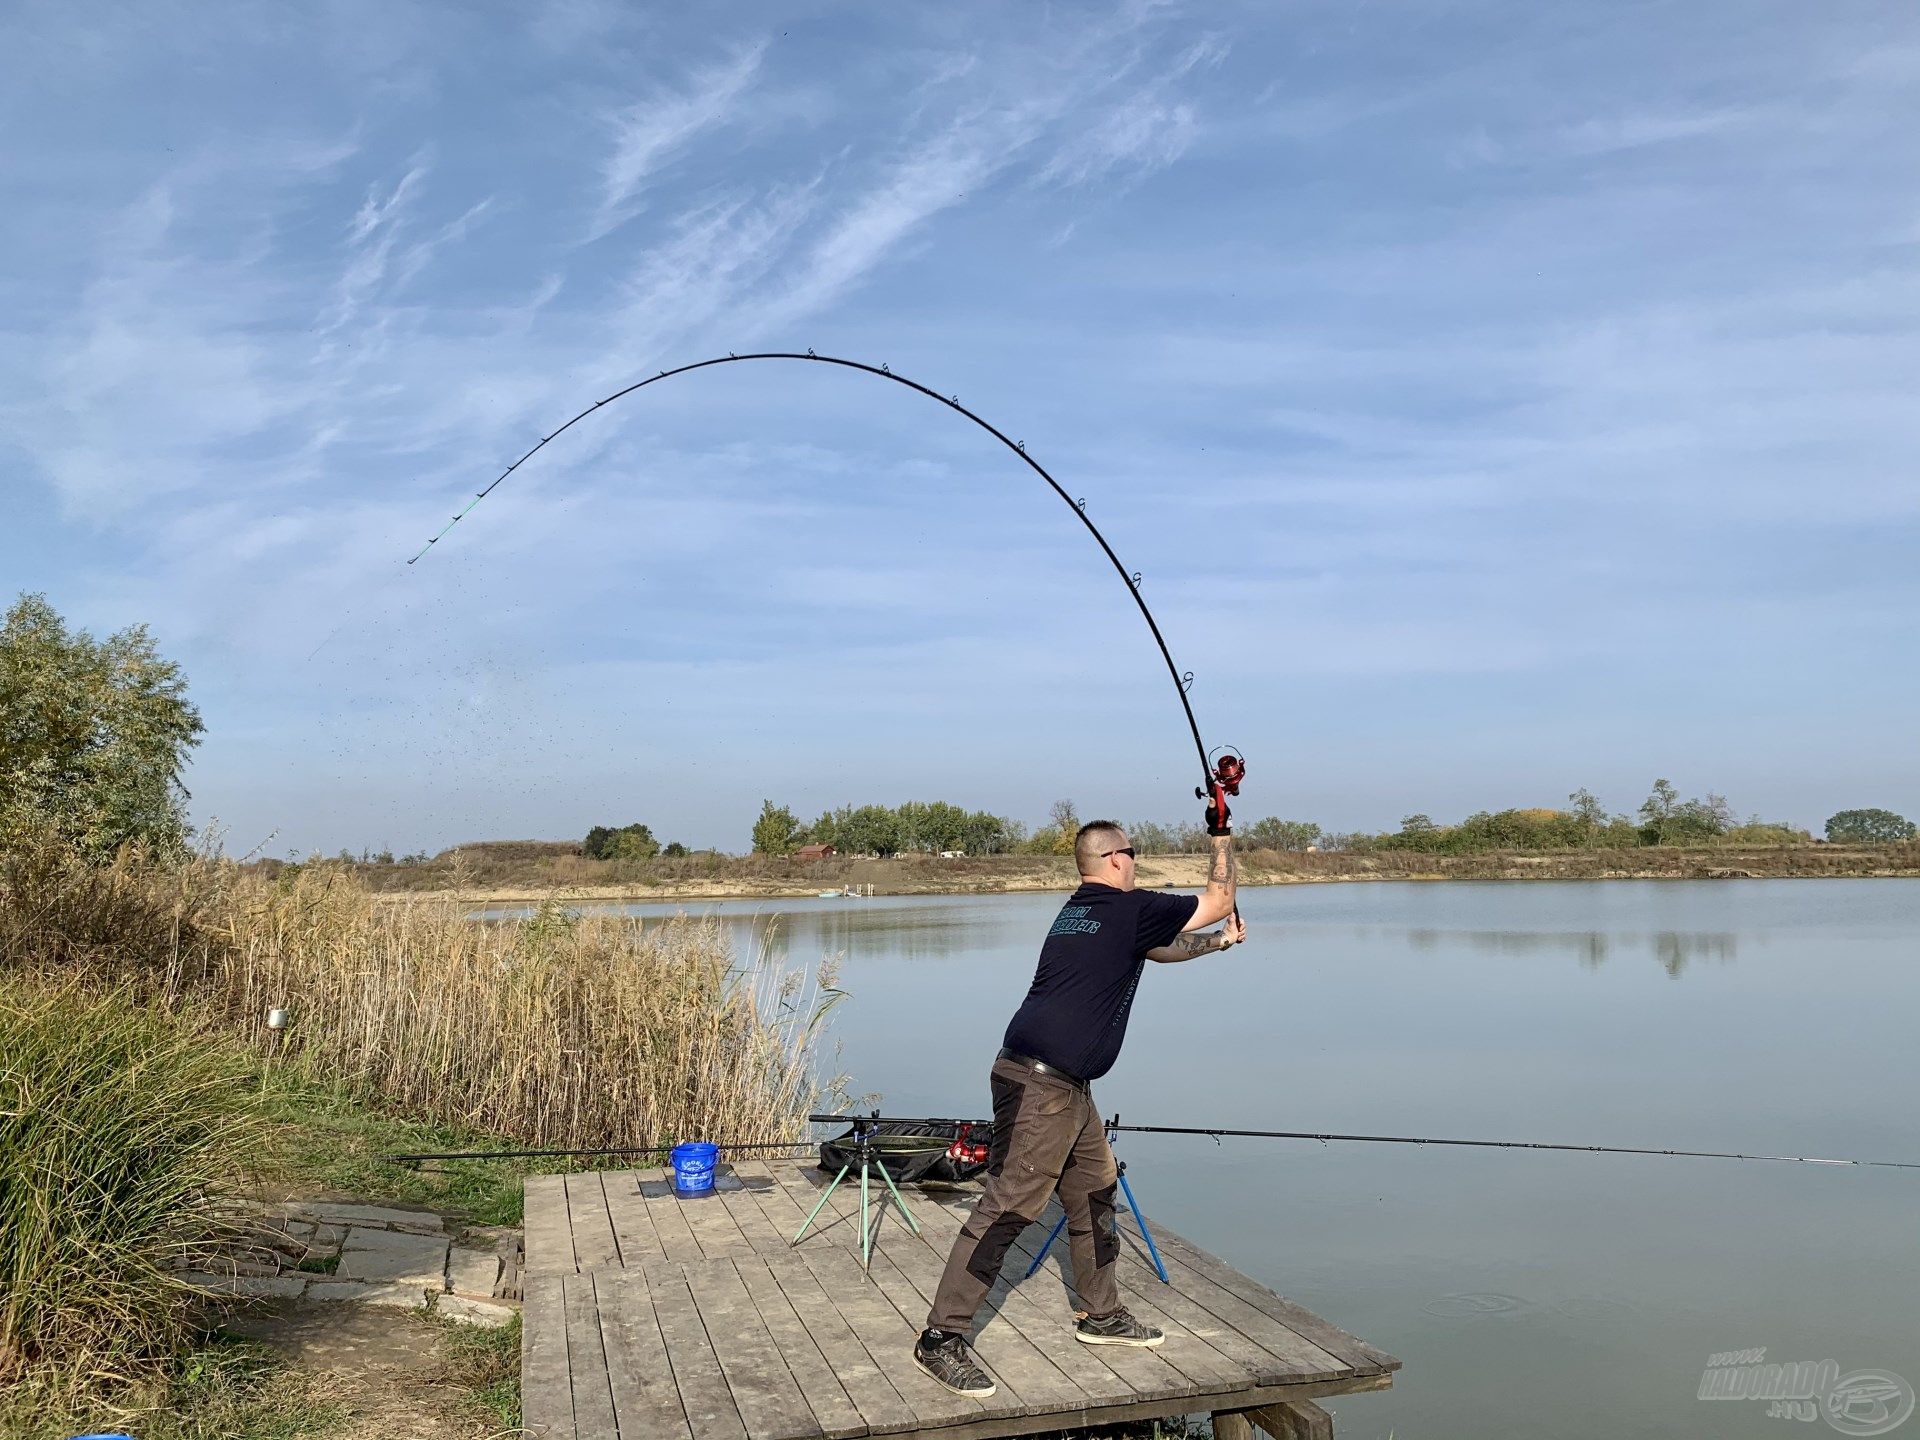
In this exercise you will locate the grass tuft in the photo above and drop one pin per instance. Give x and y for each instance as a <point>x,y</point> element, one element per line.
<point>486,1364</point>
<point>120,1129</point>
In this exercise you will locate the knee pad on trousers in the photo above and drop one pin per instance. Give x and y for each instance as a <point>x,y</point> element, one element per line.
<point>991,1253</point>
<point>1106,1234</point>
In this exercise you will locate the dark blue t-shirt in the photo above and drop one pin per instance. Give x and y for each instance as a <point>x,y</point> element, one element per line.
<point>1075,1014</point>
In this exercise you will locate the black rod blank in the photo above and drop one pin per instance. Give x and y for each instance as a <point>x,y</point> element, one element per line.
<point>1325,1136</point>
<point>1180,680</point>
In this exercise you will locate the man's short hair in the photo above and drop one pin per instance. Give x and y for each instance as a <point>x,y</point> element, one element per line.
<point>1093,840</point>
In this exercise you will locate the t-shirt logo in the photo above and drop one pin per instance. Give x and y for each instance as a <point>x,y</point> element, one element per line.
<point>1073,921</point>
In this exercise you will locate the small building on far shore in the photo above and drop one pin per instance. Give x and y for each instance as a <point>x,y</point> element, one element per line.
<point>815,852</point>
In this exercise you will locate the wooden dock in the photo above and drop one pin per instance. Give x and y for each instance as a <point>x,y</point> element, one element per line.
<point>649,1317</point>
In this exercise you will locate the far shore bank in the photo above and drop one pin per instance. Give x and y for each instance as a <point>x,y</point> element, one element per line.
<point>529,881</point>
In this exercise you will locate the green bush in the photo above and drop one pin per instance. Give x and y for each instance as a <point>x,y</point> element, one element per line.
<point>118,1128</point>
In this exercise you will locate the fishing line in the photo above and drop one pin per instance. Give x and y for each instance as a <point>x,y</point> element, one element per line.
<point>1182,680</point>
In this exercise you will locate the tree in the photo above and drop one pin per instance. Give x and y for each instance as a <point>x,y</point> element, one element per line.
<point>1667,820</point>
<point>1869,827</point>
<point>629,842</point>
<point>1589,813</point>
<point>776,832</point>
<point>870,830</point>
<point>632,842</point>
<point>675,850</point>
<point>1273,833</point>
<point>94,734</point>
<point>1659,805</point>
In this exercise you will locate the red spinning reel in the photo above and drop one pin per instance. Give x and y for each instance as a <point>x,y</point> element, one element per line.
<point>1228,771</point>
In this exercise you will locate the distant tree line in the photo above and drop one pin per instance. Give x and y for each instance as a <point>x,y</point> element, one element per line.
<point>932,827</point>
<point>1663,819</point>
<point>916,827</point>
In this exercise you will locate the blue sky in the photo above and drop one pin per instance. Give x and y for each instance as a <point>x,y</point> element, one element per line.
<point>1497,398</point>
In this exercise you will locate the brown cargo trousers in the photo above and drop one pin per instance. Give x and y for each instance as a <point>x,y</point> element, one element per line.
<point>1047,1136</point>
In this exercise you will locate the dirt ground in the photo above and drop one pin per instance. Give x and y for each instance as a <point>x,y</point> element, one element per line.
<point>383,1366</point>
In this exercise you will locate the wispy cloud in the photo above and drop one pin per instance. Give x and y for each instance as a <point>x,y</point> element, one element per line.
<point>1144,130</point>
<point>1603,135</point>
<point>370,241</point>
<point>648,135</point>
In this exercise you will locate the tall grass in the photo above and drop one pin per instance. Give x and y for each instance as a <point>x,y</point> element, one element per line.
<point>560,1029</point>
<point>120,1129</point>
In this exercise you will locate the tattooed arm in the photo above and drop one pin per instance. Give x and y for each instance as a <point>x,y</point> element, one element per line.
<point>1223,879</point>
<point>1190,943</point>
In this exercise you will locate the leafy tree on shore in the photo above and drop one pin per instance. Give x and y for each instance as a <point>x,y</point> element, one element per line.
<point>1588,813</point>
<point>776,832</point>
<point>1869,827</point>
<point>629,842</point>
<point>94,734</point>
<point>869,830</point>
<point>1665,819</point>
<point>675,850</point>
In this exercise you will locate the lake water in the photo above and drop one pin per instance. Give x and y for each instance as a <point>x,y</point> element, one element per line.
<point>1527,1293</point>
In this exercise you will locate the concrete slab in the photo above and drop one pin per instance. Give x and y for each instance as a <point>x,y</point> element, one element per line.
<point>398,1295</point>
<point>490,1313</point>
<point>472,1272</point>
<point>419,1221</point>
<point>389,1257</point>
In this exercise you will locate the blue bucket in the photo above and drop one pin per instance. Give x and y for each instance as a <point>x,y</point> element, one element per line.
<point>693,1167</point>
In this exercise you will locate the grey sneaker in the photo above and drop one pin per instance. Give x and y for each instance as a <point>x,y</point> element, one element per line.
<point>947,1360</point>
<point>1119,1328</point>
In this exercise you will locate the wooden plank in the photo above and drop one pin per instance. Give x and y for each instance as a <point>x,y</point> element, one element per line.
<point>1294,1357</point>
<point>763,1235</point>
<point>546,1395</point>
<point>1109,1371</point>
<point>994,1427</point>
<point>1363,1357</point>
<point>714,1226</point>
<point>887,1335</point>
<point>632,1219</point>
<point>549,1232</point>
<point>586,1359</point>
<point>884,1337</point>
<point>1186,1365</point>
<point>769,1401</point>
<point>882,1410</point>
<point>705,1395</point>
<point>1293,1420</point>
<point>1011,1355</point>
<point>646,1402</point>
<point>1027,1378</point>
<point>677,1240</point>
<point>594,1247</point>
<point>833,1407</point>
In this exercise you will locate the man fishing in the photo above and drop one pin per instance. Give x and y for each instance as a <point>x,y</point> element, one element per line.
<point>1047,1132</point>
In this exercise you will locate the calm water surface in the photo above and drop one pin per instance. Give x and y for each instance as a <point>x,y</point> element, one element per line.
<point>1527,1293</point>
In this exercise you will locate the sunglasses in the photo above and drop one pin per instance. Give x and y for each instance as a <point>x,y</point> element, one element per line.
<point>1128,852</point>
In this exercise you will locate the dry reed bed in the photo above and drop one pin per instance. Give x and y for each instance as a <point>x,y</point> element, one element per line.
<point>559,1030</point>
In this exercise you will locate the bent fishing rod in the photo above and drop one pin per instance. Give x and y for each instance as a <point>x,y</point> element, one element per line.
<point>1221,776</point>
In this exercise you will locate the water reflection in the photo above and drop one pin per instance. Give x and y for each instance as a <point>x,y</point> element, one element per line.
<point>1674,950</point>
